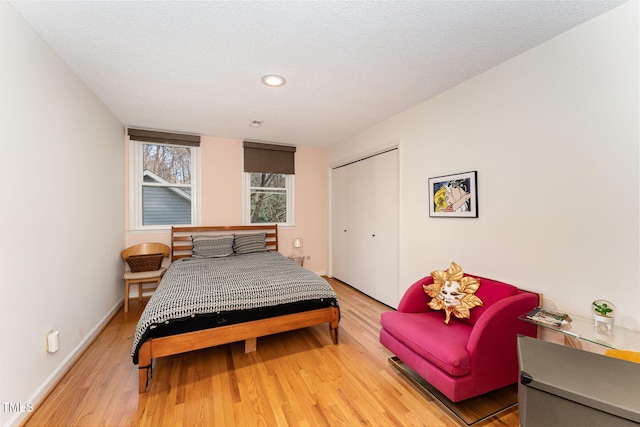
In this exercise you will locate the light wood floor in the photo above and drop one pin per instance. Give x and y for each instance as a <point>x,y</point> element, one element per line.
<point>296,378</point>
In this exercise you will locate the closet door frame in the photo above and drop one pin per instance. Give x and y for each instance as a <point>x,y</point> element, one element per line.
<point>367,269</point>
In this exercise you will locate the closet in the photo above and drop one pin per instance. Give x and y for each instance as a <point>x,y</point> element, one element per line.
<point>364,225</point>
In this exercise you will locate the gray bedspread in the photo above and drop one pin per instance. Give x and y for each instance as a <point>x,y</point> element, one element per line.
<point>192,287</point>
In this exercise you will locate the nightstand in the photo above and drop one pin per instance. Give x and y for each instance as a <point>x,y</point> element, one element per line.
<point>297,259</point>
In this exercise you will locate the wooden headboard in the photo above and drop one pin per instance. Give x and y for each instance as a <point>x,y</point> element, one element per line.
<point>182,246</point>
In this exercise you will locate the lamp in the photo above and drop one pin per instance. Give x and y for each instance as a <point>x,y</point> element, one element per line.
<point>297,246</point>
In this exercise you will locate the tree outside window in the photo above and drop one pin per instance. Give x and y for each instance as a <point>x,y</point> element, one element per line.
<point>171,163</point>
<point>270,195</point>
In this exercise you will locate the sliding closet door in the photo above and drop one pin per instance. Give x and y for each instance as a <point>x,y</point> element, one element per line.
<point>386,228</point>
<point>339,224</point>
<point>361,225</point>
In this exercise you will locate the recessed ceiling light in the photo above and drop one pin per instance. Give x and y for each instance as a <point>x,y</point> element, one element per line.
<point>273,80</point>
<point>256,123</point>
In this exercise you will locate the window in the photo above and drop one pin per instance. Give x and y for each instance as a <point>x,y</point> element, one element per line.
<point>268,185</point>
<point>163,185</point>
<point>268,198</point>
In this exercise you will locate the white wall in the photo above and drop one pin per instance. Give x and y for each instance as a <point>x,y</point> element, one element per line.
<point>553,134</point>
<point>62,214</point>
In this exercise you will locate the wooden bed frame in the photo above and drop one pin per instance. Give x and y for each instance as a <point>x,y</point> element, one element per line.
<point>181,246</point>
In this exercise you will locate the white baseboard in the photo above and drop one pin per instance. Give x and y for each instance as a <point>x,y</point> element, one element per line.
<point>51,381</point>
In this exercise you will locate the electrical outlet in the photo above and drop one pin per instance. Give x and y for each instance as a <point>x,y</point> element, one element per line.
<point>52,341</point>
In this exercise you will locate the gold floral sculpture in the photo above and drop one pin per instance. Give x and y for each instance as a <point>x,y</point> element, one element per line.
<point>454,292</point>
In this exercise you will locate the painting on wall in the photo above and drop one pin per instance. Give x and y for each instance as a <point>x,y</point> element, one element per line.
<point>454,195</point>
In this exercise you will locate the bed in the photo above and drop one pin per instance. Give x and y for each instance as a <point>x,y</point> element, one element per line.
<point>213,295</point>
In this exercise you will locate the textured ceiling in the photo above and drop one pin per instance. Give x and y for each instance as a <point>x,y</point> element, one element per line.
<point>195,67</point>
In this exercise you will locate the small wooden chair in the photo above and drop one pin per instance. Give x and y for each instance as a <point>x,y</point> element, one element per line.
<point>146,268</point>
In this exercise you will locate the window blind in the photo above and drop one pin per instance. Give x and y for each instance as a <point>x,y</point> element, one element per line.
<point>164,137</point>
<point>269,158</point>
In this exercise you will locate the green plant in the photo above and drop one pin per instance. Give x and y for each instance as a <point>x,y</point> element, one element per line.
<point>603,309</point>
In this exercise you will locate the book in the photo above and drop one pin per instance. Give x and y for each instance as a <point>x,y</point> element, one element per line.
<point>548,317</point>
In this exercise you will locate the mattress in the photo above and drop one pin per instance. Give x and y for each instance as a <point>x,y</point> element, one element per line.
<point>198,293</point>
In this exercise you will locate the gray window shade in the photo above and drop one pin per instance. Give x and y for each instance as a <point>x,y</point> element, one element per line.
<point>164,137</point>
<point>269,158</point>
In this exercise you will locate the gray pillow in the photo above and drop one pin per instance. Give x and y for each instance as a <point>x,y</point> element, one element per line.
<point>248,243</point>
<point>212,246</point>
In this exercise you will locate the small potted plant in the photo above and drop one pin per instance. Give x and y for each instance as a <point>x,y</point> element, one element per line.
<point>603,312</point>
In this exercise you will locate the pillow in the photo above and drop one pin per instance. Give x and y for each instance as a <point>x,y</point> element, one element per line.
<point>453,292</point>
<point>248,243</point>
<point>212,246</point>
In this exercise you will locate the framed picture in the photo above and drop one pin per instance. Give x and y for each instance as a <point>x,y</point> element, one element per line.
<point>454,196</point>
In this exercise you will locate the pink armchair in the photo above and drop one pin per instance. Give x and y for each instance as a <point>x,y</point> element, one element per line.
<point>468,357</point>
